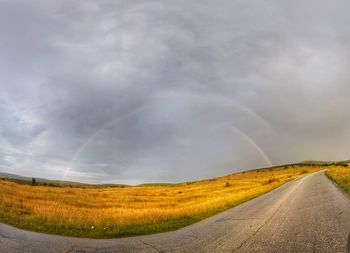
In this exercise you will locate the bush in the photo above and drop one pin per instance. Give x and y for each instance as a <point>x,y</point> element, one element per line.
<point>271,180</point>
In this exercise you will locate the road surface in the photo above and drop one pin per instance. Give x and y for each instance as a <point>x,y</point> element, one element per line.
<point>306,215</point>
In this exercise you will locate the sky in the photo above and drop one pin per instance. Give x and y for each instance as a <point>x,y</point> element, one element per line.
<point>117,91</point>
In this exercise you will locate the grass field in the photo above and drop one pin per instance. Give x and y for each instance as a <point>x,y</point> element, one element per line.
<point>340,175</point>
<point>117,212</point>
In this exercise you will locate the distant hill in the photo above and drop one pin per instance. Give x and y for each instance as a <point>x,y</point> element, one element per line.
<point>324,163</point>
<point>13,176</point>
<point>44,181</point>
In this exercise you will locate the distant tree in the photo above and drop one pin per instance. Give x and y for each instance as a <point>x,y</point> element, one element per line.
<point>33,182</point>
<point>342,163</point>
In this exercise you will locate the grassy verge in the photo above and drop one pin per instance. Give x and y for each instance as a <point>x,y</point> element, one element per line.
<point>119,212</point>
<point>341,176</point>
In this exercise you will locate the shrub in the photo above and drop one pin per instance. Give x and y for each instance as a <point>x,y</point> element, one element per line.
<point>271,180</point>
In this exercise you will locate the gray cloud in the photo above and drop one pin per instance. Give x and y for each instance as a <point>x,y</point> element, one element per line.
<point>142,91</point>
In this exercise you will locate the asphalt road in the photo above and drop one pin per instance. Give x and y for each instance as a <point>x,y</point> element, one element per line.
<point>306,215</point>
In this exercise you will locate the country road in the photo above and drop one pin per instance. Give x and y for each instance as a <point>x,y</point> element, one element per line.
<point>306,215</point>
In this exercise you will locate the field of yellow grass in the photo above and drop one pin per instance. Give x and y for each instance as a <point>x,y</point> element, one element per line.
<point>115,211</point>
<point>340,175</point>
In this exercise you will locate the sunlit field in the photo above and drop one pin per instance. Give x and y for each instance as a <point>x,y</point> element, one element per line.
<point>340,175</point>
<point>116,211</point>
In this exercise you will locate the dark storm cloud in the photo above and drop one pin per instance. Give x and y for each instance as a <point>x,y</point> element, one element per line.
<point>130,92</point>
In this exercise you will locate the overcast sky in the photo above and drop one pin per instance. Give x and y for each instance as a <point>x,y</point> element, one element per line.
<point>154,91</point>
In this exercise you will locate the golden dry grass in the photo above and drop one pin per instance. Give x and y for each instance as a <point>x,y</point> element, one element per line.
<point>116,212</point>
<point>340,175</point>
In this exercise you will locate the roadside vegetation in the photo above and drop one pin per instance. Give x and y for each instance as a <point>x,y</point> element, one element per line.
<point>124,211</point>
<point>341,176</point>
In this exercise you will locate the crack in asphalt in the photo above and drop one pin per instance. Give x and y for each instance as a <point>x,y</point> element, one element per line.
<point>70,250</point>
<point>233,219</point>
<point>195,236</point>
<point>23,250</point>
<point>5,236</point>
<point>88,249</point>
<point>150,245</point>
